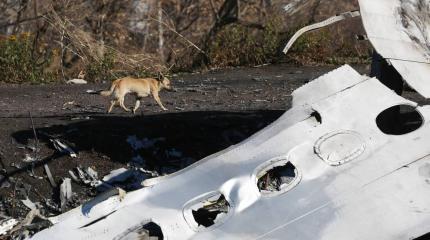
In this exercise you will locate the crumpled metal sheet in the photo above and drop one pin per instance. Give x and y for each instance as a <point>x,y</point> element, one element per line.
<point>378,188</point>
<point>400,31</point>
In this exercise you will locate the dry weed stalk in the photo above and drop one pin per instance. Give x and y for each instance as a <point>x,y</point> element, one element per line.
<point>89,50</point>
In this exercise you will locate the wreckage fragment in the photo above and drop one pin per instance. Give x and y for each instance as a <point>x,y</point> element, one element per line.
<point>399,30</point>
<point>7,225</point>
<point>87,176</point>
<point>330,21</point>
<point>305,177</point>
<point>63,148</point>
<point>33,222</point>
<point>77,81</point>
<point>49,175</point>
<point>66,193</point>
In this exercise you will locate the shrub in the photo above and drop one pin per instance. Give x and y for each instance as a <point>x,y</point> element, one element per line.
<point>240,45</point>
<point>20,63</point>
<point>102,70</point>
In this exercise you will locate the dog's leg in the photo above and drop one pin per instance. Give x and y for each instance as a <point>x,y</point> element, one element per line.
<point>157,99</point>
<point>136,105</point>
<point>121,103</point>
<point>112,104</point>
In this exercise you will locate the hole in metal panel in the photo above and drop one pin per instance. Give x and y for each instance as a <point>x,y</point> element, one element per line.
<point>207,211</point>
<point>399,120</point>
<point>278,178</point>
<point>211,209</point>
<point>317,116</point>
<point>150,231</point>
<point>423,237</point>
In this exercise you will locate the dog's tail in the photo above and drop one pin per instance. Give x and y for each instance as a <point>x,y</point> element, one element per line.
<point>109,92</point>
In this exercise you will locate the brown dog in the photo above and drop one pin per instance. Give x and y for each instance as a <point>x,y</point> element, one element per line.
<point>141,87</point>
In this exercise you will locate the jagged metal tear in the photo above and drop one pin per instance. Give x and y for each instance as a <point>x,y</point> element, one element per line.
<point>354,182</point>
<point>399,30</point>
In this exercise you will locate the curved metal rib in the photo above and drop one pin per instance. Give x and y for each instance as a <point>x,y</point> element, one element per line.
<point>322,24</point>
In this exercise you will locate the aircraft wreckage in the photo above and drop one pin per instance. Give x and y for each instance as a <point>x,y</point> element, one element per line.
<point>329,168</point>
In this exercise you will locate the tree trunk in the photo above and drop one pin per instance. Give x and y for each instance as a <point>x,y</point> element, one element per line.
<point>160,31</point>
<point>227,14</point>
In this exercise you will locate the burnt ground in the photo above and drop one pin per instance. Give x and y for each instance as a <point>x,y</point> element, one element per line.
<point>209,112</point>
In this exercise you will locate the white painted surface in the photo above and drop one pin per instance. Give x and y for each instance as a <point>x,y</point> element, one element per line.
<point>399,30</point>
<point>383,193</point>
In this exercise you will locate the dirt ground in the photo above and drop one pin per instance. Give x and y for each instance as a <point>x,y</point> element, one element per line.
<point>208,112</point>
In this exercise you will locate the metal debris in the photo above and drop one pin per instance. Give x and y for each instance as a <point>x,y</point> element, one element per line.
<point>90,91</point>
<point>65,105</point>
<point>77,81</point>
<point>28,203</point>
<point>80,118</point>
<point>33,148</point>
<point>183,203</point>
<point>399,32</point>
<point>66,193</point>
<point>32,174</point>
<point>91,173</point>
<point>28,158</point>
<point>27,223</point>
<point>61,147</point>
<point>327,22</point>
<point>150,173</point>
<point>52,206</point>
<point>128,179</point>
<point>49,175</point>
<point>73,176</point>
<point>7,225</point>
<point>118,175</point>
<point>88,176</point>
<point>15,165</point>
<point>337,177</point>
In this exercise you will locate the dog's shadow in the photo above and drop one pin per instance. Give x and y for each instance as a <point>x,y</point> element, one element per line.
<point>166,142</point>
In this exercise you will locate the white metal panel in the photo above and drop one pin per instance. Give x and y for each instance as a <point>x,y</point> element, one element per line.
<point>329,202</point>
<point>396,37</point>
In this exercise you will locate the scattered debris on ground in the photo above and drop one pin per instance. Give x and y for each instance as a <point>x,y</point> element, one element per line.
<point>77,81</point>
<point>7,225</point>
<point>63,148</point>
